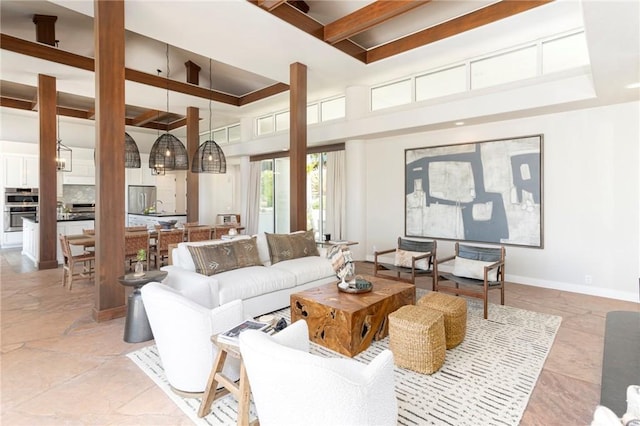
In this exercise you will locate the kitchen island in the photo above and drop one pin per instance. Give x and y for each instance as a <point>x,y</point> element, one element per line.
<point>67,225</point>
<point>151,219</point>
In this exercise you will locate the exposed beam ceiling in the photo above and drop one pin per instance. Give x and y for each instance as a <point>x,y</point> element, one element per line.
<point>338,32</point>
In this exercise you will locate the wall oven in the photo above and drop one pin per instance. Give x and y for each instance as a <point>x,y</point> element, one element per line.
<point>19,203</point>
<point>13,217</point>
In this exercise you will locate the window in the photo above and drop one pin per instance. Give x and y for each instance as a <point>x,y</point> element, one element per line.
<point>390,95</point>
<point>441,83</point>
<point>274,194</point>
<point>564,53</point>
<point>282,121</point>
<point>511,66</point>
<point>312,114</point>
<point>234,133</point>
<point>220,136</point>
<point>333,109</point>
<point>265,125</point>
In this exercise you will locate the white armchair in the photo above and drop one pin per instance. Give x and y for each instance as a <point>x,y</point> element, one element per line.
<point>290,386</point>
<point>182,330</point>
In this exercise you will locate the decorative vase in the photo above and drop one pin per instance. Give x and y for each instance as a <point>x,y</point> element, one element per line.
<point>138,270</point>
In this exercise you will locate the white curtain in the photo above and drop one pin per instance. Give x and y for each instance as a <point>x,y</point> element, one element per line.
<point>336,195</point>
<point>253,206</point>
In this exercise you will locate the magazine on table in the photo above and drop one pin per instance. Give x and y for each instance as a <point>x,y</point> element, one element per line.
<point>231,335</point>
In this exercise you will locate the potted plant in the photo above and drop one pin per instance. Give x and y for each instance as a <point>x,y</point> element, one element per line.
<point>141,256</point>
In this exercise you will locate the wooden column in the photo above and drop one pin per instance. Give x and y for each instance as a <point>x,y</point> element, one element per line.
<point>47,109</point>
<point>298,146</point>
<point>193,73</point>
<point>109,74</point>
<point>45,29</point>
<point>193,180</point>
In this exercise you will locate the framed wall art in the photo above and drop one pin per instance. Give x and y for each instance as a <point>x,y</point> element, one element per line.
<point>488,192</point>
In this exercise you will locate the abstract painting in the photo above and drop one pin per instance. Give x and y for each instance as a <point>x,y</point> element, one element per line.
<point>488,192</point>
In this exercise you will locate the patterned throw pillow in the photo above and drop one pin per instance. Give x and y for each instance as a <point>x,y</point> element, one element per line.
<point>404,258</point>
<point>214,259</point>
<point>341,260</point>
<point>469,268</point>
<point>291,246</point>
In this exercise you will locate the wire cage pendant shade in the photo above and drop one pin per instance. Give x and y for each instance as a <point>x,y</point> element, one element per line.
<point>168,153</point>
<point>131,153</point>
<point>209,158</point>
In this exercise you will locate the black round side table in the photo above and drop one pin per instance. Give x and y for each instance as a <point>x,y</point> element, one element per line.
<point>136,327</point>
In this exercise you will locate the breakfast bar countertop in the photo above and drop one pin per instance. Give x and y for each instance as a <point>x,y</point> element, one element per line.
<point>161,214</point>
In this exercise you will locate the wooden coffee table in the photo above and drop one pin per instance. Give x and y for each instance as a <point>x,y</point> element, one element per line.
<point>348,323</point>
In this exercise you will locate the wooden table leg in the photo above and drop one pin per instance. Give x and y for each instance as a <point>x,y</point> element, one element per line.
<point>244,397</point>
<point>210,391</point>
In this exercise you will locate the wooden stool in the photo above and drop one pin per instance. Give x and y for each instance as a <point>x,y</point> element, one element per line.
<point>241,391</point>
<point>455,315</point>
<point>416,338</point>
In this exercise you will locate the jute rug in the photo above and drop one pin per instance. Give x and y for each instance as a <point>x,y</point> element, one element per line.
<point>486,380</point>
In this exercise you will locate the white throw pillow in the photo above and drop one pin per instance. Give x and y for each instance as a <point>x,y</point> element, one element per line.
<point>405,257</point>
<point>473,269</point>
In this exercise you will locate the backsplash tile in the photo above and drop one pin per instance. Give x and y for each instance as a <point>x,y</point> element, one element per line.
<point>78,194</point>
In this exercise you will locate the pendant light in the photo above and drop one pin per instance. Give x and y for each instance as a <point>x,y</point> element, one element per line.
<point>64,155</point>
<point>131,153</point>
<point>209,157</point>
<point>167,152</point>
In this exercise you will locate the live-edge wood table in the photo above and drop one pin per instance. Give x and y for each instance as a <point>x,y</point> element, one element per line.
<point>241,390</point>
<point>348,323</point>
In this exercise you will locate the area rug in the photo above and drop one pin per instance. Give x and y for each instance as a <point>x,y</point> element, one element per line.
<point>486,380</point>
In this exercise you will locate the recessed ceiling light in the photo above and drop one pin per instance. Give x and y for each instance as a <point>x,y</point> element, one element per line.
<point>633,85</point>
<point>459,123</point>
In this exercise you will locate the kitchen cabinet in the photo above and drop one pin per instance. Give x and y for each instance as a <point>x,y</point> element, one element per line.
<point>83,172</point>
<point>141,176</point>
<point>21,171</point>
<point>11,239</point>
<point>31,237</point>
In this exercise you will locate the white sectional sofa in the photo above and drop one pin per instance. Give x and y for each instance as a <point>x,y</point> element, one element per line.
<point>263,288</point>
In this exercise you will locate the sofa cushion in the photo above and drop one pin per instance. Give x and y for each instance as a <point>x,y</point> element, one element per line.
<point>469,268</point>
<point>405,257</point>
<point>217,258</point>
<point>180,256</point>
<point>263,249</point>
<point>252,281</point>
<point>291,246</point>
<point>307,269</point>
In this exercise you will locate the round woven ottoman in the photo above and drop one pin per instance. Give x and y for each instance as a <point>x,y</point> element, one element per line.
<point>455,315</point>
<point>416,338</point>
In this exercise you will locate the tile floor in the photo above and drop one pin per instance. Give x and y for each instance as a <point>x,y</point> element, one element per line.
<point>58,366</point>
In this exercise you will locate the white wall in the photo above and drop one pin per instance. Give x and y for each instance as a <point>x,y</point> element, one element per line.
<point>591,190</point>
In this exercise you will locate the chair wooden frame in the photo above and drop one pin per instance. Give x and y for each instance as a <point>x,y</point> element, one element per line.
<point>496,255</point>
<point>70,261</point>
<point>199,233</point>
<point>429,249</point>
<point>133,242</point>
<point>165,238</point>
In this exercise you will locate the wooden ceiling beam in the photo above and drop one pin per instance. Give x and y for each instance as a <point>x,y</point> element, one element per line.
<point>269,5</point>
<point>177,124</point>
<point>475,19</point>
<point>295,17</point>
<point>367,17</point>
<point>72,112</point>
<point>16,103</point>
<point>145,117</point>
<point>53,54</point>
<point>263,93</point>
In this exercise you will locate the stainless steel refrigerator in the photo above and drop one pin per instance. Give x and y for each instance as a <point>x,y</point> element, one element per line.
<point>141,197</point>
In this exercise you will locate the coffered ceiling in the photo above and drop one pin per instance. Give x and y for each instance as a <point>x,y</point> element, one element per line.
<point>252,43</point>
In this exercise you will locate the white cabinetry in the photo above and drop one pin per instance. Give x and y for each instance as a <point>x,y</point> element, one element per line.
<point>31,237</point>
<point>83,172</point>
<point>21,171</point>
<point>11,239</point>
<point>141,176</point>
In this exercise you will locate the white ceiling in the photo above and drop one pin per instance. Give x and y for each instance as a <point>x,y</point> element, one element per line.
<point>250,46</point>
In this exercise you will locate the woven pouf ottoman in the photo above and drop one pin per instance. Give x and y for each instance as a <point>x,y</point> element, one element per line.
<point>455,315</point>
<point>416,338</point>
